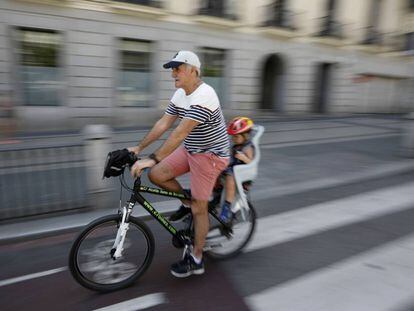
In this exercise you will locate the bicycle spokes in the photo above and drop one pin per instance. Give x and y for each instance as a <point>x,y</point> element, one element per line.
<point>226,240</point>
<point>99,256</point>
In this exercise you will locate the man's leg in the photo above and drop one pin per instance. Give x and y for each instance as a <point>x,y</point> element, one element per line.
<point>163,176</point>
<point>199,209</point>
<point>193,263</point>
<point>164,173</point>
<point>205,168</point>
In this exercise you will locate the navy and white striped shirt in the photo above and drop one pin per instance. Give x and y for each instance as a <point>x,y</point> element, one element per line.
<point>203,106</point>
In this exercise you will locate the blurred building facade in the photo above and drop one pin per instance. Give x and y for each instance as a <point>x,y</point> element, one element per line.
<point>68,63</point>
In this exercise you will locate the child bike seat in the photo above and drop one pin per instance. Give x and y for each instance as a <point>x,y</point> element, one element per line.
<point>248,172</point>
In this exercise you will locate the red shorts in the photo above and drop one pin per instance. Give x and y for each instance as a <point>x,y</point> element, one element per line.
<point>204,169</point>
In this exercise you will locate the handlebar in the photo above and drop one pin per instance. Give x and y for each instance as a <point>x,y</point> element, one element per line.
<point>117,160</point>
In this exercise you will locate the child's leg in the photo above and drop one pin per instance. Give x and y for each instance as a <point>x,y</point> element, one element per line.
<point>226,215</point>
<point>230,186</point>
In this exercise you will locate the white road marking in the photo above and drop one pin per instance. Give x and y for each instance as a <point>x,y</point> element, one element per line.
<point>139,303</point>
<point>327,140</point>
<point>295,224</point>
<point>31,276</point>
<point>379,280</point>
<point>264,192</point>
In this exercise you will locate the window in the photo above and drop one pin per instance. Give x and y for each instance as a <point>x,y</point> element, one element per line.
<point>409,43</point>
<point>153,3</point>
<point>41,75</point>
<point>329,25</point>
<point>277,15</point>
<point>212,71</point>
<point>219,8</point>
<point>134,81</point>
<point>373,36</point>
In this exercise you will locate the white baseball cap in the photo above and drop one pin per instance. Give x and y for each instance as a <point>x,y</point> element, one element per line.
<point>184,57</point>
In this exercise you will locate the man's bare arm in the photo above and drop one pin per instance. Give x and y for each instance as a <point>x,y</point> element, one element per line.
<point>159,128</point>
<point>176,138</point>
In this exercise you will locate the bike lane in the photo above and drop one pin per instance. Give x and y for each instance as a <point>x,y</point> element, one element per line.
<point>59,291</point>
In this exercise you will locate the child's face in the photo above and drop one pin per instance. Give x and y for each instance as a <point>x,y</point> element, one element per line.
<point>238,139</point>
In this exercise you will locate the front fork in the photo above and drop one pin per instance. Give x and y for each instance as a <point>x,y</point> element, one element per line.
<point>123,227</point>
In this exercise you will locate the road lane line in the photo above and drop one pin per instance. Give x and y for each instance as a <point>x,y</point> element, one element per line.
<point>263,192</point>
<point>284,227</point>
<point>327,140</point>
<point>287,226</point>
<point>381,279</point>
<point>139,303</point>
<point>31,276</point>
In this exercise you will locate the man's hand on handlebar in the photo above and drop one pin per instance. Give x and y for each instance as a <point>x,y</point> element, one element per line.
<point>134,149</point>
<point>136,169</point>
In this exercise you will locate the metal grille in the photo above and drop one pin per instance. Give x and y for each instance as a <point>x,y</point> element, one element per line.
<point>41,180</point>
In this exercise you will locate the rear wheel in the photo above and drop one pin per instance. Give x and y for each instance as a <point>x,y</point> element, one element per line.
<point>91,262</point>
<point>223,243</point>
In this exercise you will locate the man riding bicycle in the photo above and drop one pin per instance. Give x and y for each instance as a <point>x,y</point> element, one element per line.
<point>205,152</point>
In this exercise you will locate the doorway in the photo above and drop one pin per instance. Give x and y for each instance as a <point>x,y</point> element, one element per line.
<point>273,83</point>
<point>322,87</point>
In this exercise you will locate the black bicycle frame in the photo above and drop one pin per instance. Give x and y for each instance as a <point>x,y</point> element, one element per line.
<point>137,197</point>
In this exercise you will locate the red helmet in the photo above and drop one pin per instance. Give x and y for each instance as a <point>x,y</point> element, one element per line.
<point>239,125</point>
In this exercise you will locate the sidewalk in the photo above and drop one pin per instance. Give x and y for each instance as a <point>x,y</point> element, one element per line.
<point>301,160</point>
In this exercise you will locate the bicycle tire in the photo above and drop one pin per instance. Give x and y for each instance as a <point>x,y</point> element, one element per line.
<point>74,254</point>
<point>223,255</point>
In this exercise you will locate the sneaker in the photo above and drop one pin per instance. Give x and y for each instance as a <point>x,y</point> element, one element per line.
<point>226,215</point>
<point>180,214</point>
<point>186,267</point>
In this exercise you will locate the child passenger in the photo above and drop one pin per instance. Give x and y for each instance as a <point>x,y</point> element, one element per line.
<point>242,153</point>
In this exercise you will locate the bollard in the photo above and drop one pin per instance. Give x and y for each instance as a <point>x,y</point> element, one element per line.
<point>97,141</point>
<point>408,137</point>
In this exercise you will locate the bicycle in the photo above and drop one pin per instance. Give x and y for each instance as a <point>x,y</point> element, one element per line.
<point>112,252</point>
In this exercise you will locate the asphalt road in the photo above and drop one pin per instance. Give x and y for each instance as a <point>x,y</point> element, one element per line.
<point>226,285</point>
<point>326,239</point>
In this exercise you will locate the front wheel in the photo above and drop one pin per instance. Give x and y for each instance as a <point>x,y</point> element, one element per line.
<point>91,262</point>
<point>223,244</point>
